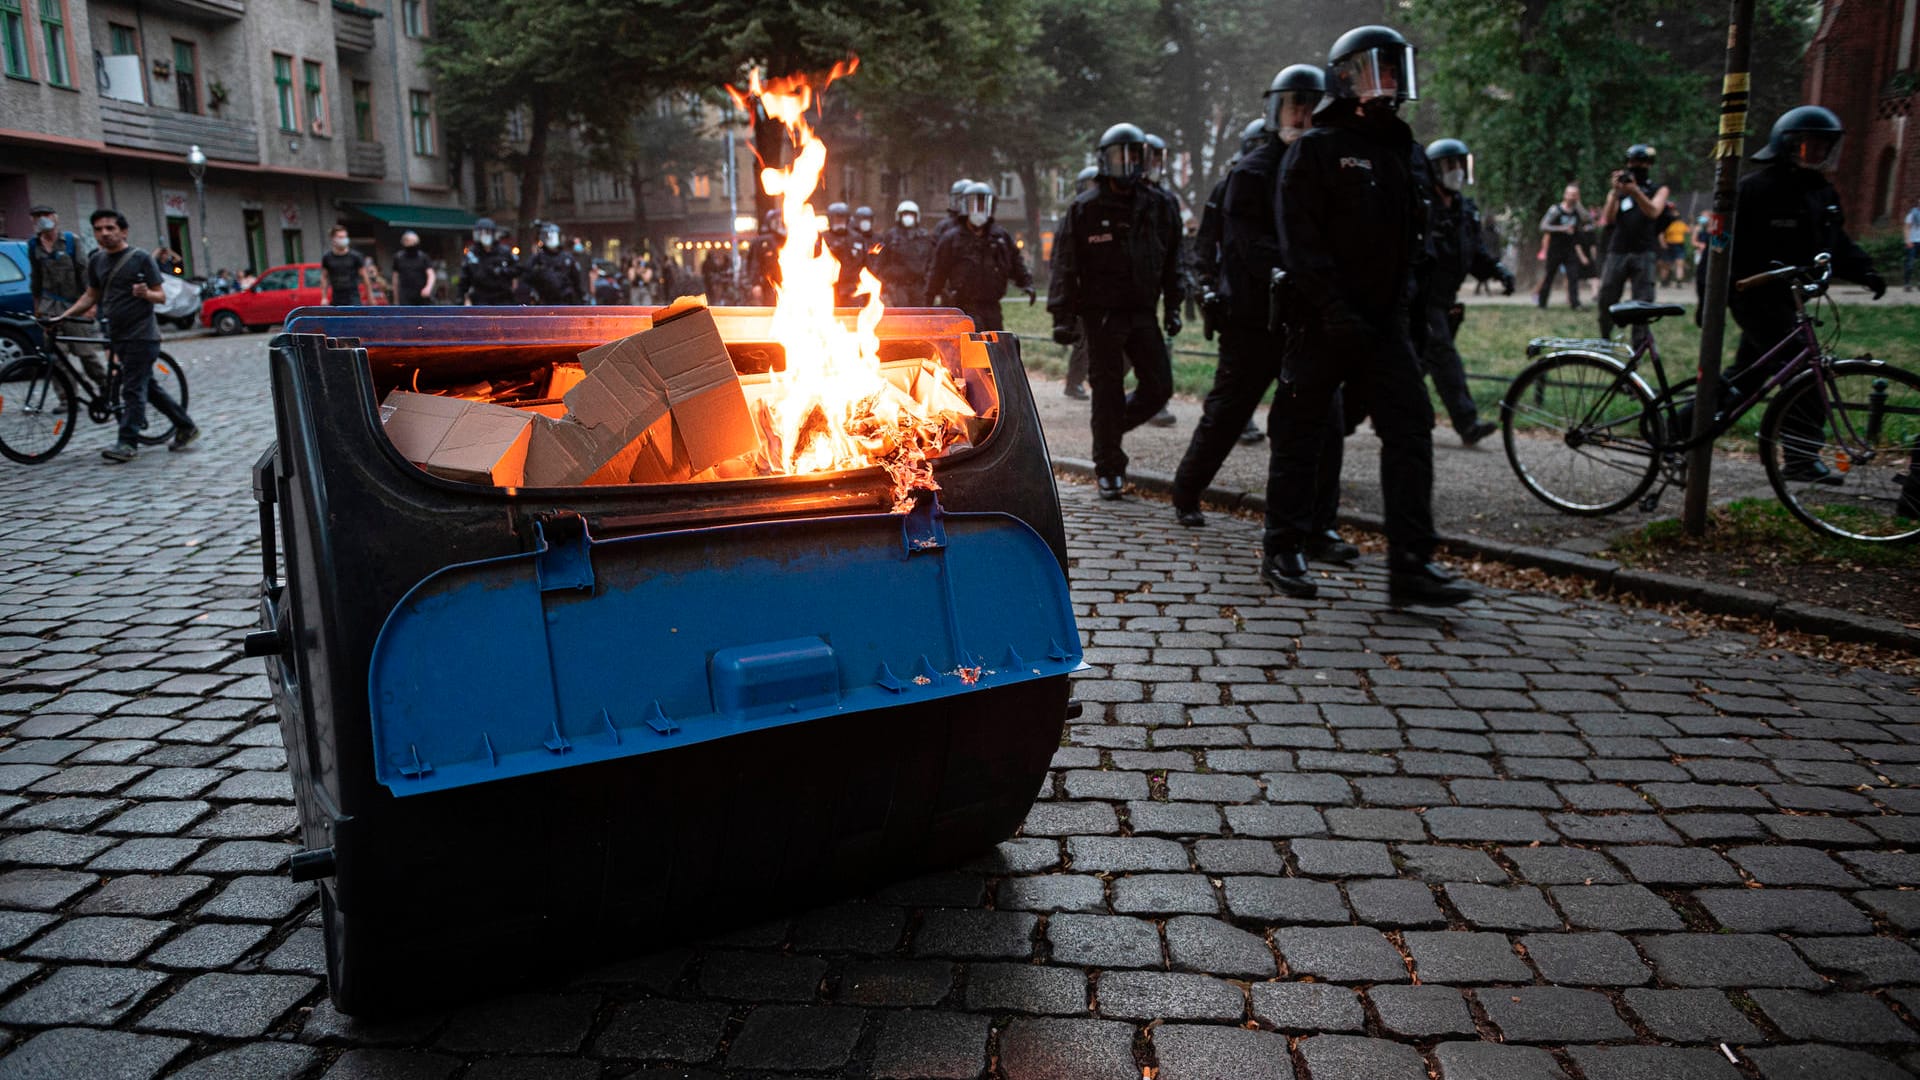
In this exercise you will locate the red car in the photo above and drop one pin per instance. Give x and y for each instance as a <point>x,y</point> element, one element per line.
<point>278,291</point>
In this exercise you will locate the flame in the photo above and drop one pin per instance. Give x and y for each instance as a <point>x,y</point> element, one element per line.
<point>830,407</point>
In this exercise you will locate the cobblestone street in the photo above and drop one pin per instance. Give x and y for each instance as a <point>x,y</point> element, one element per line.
<point>1530,839</point>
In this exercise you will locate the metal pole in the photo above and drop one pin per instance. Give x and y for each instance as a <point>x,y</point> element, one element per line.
<point>1727,152</point>
<point>733,206</point>
<point>206,247</point>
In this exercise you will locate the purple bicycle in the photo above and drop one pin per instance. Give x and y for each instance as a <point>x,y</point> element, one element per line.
<point>1840,439</point>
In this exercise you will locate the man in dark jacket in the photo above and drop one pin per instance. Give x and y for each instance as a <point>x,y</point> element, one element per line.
<point>1076,387</point>
<point>848,249</point>
<point>1116,256</point>
<point>763,258</point>
<point>1351,216</point>
<point>1634,215</point>
<point>973,263</point>
<point>1458,249</point>
<point>903,256</point>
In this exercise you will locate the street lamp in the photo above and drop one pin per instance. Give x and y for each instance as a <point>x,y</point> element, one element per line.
<point>197,165</point>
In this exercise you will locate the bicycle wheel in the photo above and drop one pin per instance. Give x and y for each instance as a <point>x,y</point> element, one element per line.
<point>1581,433</point>
<point>169,380</point>
<point>38,409</point>
<point>1842,450</point>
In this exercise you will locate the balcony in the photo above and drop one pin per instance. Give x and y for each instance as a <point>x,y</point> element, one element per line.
<point>219,11</point>
<point>353,27</point>
<point>368,159</point>
<point>166,131</point>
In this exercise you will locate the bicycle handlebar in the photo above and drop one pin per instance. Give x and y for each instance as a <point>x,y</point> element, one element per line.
<point>1822,270</point>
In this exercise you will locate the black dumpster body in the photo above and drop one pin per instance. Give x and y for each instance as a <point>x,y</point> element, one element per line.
<point>533,728</point>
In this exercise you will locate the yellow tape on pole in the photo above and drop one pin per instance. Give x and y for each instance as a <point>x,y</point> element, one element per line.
<point>1736,82</point>
<point>1733,123</point>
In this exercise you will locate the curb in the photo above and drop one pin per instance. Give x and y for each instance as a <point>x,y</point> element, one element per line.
<point>1707,596</point>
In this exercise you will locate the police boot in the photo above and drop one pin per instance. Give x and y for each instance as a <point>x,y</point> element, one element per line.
<point>1328,547</point>
<point>1111,487</point>
<point>1422,583</point>
<point>1286,570</point>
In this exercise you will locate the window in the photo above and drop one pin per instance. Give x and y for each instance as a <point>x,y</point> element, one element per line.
<point>315,84</point>
<point>10,272</point>
<point>279,280</point>
<point>315,278</point>
<point>53,27</point>
<point>283,92</point>
<point>363,110</point>
<point>413,18</point>
<point>497,189</point>
<point>702,186</point>
<point>516,126</point>
<point>13,39</point>
<point>420,106</point>
<point>291,248</point>
<point>1007,185</point>
<point>619,188</point>
<point>186,77</point>
<point>122,40</point>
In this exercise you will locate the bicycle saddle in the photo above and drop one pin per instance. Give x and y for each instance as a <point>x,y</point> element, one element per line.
<point>1639,312</point>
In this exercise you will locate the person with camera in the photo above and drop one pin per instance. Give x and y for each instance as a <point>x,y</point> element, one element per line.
<point>1635,216</point>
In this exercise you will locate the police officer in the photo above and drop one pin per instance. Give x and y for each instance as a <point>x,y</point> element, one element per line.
<point>552,273</point>
<point>973,263</point>
<point>489,270</point>
<point>1351,218</point>
<point>956,214</point>
<point>1250,350</point>
<point>1457,246</point>
<point>1788,212</point>
<point>763,259</point>
<point>1203,268</point>
<point>1076,387</point>
<point>848,250</point>
<point>1635,207</point>
<point>1116,255</point>
<point>903,256</point>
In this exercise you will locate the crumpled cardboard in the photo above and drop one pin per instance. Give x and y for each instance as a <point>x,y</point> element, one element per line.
<point>469,441</point>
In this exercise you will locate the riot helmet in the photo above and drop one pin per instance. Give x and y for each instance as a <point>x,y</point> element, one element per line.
<point>1640,159</point>
<point>907,214</point>
<point>484,232</point>
<point>549,235</point>
<point>1156,158</point>
<point>1088,177</point>
<point>1123,153</point>
<point>771,222</point>
<point>863,219</point>
<point>1372,64</point>
<point>837,216</point>
<point>1452,164</point>
<point>954,193</point>
<point>977,204</point>
<point>1808,136</point>
<point>1299,86</point>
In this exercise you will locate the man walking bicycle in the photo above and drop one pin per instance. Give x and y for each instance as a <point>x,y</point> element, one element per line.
<point>124,282</point>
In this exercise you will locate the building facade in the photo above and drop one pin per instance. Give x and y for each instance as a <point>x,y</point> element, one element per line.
<point>1864,64</point>
<point>310,112</point>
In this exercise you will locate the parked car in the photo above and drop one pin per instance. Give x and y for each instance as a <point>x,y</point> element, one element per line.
<point>18,337</point>
<point>279,291</point>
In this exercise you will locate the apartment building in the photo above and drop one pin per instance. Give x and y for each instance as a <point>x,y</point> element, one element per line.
<point>1864,64</point>
<point>309,112</point>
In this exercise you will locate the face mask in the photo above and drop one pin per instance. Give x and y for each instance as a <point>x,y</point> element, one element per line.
<point>579,248</point>
<point>43,224</point>
<point>977,219</point>
<point>908,221</point>
<point>483,238</point>
<point>1452,179</point>
<point>866,226</point>
<point>340,243</point>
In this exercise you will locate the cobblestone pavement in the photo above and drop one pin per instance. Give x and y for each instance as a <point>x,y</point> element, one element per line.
<point>1529,839</point>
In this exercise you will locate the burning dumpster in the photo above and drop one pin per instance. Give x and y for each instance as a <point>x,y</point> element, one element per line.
<point>599,627</point>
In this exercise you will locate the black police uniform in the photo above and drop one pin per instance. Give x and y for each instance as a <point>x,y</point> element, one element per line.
<point>763,264</point>
<point>487,275</point>
<point>971,268</point>
<point>849,249</point>
<point>1115,256</point>
<point>1351,218</point>
<point>1248,251</point>
<point>1458,248</point>
<point>556,278</point>
<point>1633,246</point>
<point>901,261</point>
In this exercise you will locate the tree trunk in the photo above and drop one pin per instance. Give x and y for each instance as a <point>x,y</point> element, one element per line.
<point>642,229</point>
<point>770,148</point>
<point>533,167</point>
<point>1036,244</point>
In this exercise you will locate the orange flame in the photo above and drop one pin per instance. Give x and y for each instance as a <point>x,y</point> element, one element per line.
<point>832,376</point>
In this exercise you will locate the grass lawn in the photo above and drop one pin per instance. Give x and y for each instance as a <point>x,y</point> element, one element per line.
<point>1493,342</point>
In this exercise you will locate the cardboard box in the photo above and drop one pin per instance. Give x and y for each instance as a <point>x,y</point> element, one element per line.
<point>656,407</point>
<point>564,378</point>
<point>469,441</point>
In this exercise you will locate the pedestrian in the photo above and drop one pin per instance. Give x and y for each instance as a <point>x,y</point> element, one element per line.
<point>1458,249</point>
<point>553,273</point>
<point>1636,204</point>
<point>247,278</point>
<point>169,261</point>
<point>973,263</point>
<point>1913,247</point>
<point>903,256</point>
<point>1203,268</point>
<point>1350,216</point>
<point>1116,255</point>
<point>488,270</point>
<point>1560,228</point>
<point>343,269</point>
<point>716,275</point>
<point>1076,386</point>
<point>124,282</point>
<point>56,278</point>
<point>848,250</point>
<point>413,274</point>
<point>1250,344</point>
<point>1674,251</point>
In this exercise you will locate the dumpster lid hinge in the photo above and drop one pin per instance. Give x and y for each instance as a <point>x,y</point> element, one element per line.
<point>921,527</point>
<point>563,552</point>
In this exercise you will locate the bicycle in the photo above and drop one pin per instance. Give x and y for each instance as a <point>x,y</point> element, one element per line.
<point>41,395</point>
<point>1840,440</point>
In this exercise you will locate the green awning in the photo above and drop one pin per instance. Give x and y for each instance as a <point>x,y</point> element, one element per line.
<point>402,216</point>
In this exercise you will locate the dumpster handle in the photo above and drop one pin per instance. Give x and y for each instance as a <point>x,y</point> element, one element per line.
<point>1075,708</point>
<point>311,865</point>
<point>264,480</point>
